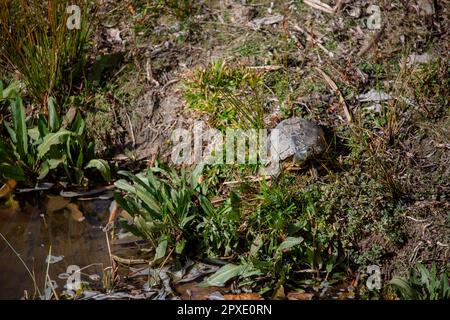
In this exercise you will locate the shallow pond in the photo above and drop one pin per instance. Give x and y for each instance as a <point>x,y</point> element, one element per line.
<point>31,229</point>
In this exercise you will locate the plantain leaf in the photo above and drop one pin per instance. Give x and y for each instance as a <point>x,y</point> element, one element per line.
<point>42,126</point>
<point>78,125</point>
<point>161,250</point>
<point>180,246</point>
<point>54,163</point>
<point>52,139</point>
<point>124,185</point>
<point>126,204</point>
<point>228,272</point>
<point>53,120</point>
<point>102,166</point>
<point>289,243</point>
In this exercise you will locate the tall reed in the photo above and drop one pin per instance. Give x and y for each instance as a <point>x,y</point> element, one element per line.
<point>37,44</point>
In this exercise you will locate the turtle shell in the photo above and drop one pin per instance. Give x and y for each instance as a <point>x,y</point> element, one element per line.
<point>298,138</point>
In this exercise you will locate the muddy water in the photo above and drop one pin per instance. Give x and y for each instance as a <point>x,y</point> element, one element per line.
<point>32,229</point>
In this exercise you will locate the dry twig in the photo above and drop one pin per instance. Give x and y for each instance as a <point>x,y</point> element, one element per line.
<point>316,4</point>
<point>335,88</point>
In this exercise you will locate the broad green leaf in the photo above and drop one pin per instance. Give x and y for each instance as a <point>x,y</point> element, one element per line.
<point>289,243</point>
<point>180,246</point>
<point>226,273</point>
<point>49,165</point>
<point>145,193</point>
<point>20,126</point>
<point>207,206</point>
<point>139,179</point>
<point>133,190</point>
<point>131,228</point>
<point>53,120</point>
<point>186,220</point>
<point>42,126</point>
<point>102,166</point>
<point>124,185</point>
<point>425,275</point>
<point>54,163</point>
<point>148,200</point>
<point>69,116</point>
<point>78,125</point>
<point>126,204</point>
<point>161,250</point>
<point>52,139</point>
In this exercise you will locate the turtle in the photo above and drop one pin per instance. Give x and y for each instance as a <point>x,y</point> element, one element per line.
<point>295,138</point>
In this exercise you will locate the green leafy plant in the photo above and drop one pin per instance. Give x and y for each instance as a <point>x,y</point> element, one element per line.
<point>172,212</point>
<point>162,208</point>
<point>423,284</point>
<point>284,234</point>
<point>37,43</point>
<point>34,148</point>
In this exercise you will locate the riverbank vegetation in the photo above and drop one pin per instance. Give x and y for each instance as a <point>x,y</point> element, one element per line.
<point>96,105</point>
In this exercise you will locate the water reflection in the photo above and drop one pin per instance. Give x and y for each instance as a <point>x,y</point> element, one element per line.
<point>34,227</point>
